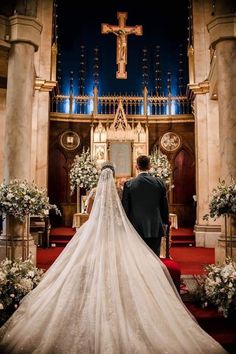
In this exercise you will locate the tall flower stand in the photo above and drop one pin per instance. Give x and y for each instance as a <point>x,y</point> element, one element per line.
<point>78,203</point>
<point>16,241</point>
<point>81,216</point>
<point>226,246</point>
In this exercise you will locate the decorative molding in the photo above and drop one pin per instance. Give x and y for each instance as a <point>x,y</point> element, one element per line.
<point>212,77</point>
<point>69,140</point>
<point>222,28</point>
<point>54,51</point>
<point>120,129</point>
<point>170,141</point>
<point>44,85</point>
<point>199,88</point>
<point>5,45</point>
<point>25,29</point>
<point>207,228</point>
<point>108,118</point>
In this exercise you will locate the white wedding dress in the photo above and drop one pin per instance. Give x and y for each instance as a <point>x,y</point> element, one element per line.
<point>107,293</point>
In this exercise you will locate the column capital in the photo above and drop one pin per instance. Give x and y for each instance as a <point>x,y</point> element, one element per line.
<point>199,88</point>
<point>222,28</point>
<point>44,85</point>
<point>25,29</point>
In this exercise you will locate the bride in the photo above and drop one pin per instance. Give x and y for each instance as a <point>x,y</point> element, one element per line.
<point>107,293</point>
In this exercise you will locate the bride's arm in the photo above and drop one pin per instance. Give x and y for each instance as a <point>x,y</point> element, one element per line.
<point>89,206</point>
<point>90,200</point>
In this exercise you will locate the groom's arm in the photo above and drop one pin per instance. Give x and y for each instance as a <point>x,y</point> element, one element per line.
<point>125,199</point>
<point>164,208</point>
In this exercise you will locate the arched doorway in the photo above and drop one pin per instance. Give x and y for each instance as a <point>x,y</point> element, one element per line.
<point>184,181</point>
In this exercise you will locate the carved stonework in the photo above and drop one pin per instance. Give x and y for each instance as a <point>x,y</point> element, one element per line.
<point>170,141</point>
<point>120,129</point>
<point>118,138</point>
<point>69,140</point>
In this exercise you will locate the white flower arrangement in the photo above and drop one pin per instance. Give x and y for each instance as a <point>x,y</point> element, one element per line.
<point>84,172</point>
<point>160,166</point>
<point>223,200</point>
<point>218,286</point>
<point>17,278</point>
<point>21,198</point>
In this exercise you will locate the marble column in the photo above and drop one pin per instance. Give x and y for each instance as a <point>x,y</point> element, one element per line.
<point>222,32</point>
<point>41,104</point>
<point>226,77</point>
<point>4,52</point>
<point>19,111</point>
<point>24,38</point>
<point>206,126</point>
<point>2,130</point>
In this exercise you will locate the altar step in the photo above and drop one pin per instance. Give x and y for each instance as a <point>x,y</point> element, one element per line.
<point>182,237</point>
<point>59,237</point>
<point>221,329</point>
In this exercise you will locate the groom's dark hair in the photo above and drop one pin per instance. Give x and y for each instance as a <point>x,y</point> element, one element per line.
<point>143,162</point>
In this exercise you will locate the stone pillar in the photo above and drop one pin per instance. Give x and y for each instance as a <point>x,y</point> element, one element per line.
<point>24,38</point>
<point>223,40</point>
<point>4,52</point>
<point>41,103</point>
<point>206,126</point>
<point>207,167</point>
<point>222,32</point>
<point>2,130</point>
<point>19,111</point>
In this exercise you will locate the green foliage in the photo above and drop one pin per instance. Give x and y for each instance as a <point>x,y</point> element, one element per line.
<point>83,173</point>
<point>21,198</point>
<point>223,200</point>
<point>160,166</point>
<point>218,286</point>
<point>17,278</point>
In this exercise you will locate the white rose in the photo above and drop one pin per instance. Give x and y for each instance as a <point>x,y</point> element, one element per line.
<point>31,274</point>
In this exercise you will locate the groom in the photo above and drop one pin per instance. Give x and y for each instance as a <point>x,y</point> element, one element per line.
<point>145,203</point>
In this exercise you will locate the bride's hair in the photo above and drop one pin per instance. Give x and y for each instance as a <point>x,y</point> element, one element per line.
<point>108,164</point>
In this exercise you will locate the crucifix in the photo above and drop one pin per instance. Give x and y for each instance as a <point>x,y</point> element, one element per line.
<point>121,31</point>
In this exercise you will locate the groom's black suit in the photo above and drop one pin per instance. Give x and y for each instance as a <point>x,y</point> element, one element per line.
<point>145,203</point>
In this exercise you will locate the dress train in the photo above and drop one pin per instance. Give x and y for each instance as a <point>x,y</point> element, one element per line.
<point>107,293</point>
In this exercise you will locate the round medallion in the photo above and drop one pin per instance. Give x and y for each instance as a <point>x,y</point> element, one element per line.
<point>69,140</point>
<point>170,141</point>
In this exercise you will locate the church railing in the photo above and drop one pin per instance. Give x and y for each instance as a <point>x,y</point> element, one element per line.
<point>133,105</point>
<point>71,104</point>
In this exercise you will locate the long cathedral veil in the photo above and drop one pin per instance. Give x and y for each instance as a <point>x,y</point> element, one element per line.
<point>106,293</point>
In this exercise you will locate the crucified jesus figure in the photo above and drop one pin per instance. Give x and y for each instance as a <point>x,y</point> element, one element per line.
<point>121,31</point>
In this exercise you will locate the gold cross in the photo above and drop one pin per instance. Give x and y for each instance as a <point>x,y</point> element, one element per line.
<point>121,31</point>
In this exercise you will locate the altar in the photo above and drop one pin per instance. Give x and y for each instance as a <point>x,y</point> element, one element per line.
<point>121,142</point>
